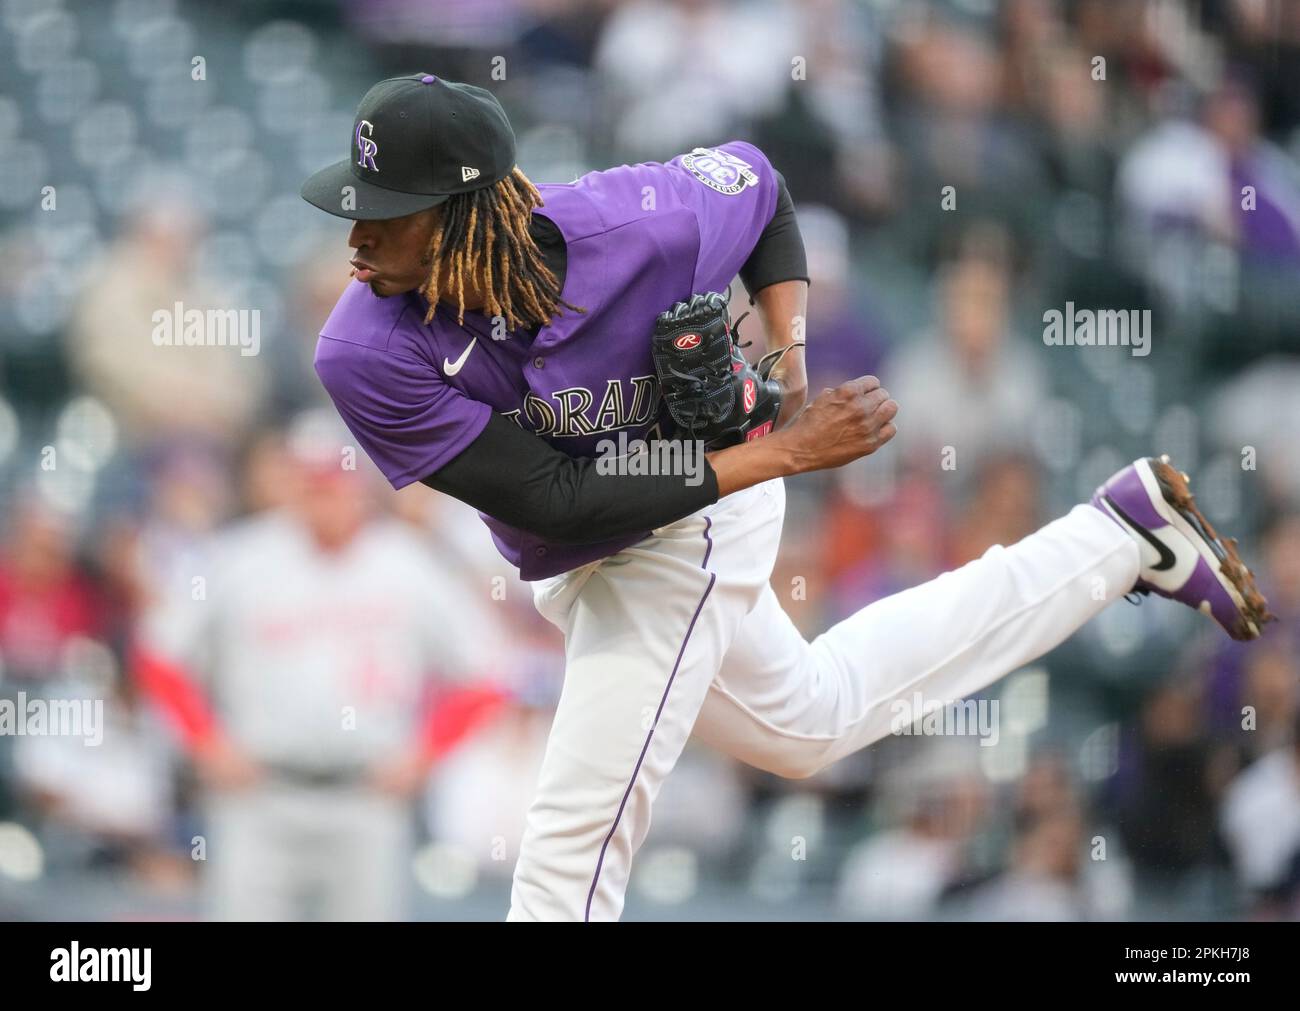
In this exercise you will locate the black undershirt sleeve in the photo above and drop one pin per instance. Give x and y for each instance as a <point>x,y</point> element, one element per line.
<point>779,254</point>
<point>519,479</point>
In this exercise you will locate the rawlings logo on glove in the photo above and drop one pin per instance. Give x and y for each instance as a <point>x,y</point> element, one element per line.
<point>713,394</point>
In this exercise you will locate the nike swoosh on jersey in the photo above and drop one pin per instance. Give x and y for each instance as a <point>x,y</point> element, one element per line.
<point>450,367</point>
<point>1167,558</point>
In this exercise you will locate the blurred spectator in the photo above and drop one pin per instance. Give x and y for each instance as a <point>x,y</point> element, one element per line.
<point>902,872</point>
<point>46,599</point>
<point>946,82</point>
<point>1268,226</point>
<point>1213,217</point>
<point>478,798</point>
<point>315,632</point>
<point>969,385</point>
<point>262,484</point>
<point>1280,545</point>
<point>827,132</point>
<point>1265,35</point>
<point>1261,823</point>
<point>872,553</point>
<point>1254,694</point>
<point>1263,439</point>
<point>1078,150</point>
<point>317,283</point>
<point>188,499</point>
<point>1046,788</point>
<point>169,392</point>
<point>1167,790</point>
<point>1043,880</point>
<point>681,73</point>
<point>1271,688</point>
<point>105,803</point>
<point>1004,507</point>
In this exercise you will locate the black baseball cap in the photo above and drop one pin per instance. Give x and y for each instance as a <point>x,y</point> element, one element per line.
<point>416,141</point>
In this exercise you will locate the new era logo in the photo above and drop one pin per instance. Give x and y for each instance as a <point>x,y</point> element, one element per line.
<point>467,173</point>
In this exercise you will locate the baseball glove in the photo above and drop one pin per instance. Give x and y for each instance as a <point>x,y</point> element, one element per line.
<point>713,394</point>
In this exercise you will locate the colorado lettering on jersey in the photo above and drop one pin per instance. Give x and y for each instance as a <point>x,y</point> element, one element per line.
<point>571,415</point>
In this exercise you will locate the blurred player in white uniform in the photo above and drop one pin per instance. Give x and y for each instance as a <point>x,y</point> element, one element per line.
<point>299,669</point>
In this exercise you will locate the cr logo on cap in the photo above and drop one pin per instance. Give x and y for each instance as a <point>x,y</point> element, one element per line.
<point>366,147</point>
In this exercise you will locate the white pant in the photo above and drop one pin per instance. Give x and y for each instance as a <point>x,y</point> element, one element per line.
<point>280,852</point>
<point>683,634</point>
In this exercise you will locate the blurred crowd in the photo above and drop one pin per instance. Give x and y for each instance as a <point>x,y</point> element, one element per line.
<point>179,541</point>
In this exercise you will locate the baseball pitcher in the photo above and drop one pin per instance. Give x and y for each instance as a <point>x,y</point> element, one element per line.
<point>500,337</point>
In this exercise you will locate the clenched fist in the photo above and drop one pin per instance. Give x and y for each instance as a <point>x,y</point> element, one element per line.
<point>841,425</point>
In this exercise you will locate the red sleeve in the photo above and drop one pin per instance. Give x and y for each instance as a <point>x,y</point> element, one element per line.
<point>453,716</point>
<point>167,685</point>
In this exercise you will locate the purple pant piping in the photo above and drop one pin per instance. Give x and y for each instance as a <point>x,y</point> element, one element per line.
<point>708,524</point>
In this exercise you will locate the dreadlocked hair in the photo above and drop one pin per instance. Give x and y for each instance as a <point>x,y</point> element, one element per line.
<point>486,230</point>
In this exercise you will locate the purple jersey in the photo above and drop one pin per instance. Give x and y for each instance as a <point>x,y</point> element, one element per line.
<point>638,239</point>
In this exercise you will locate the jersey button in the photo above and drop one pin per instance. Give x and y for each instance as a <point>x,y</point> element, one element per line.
<point>539,362</point>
